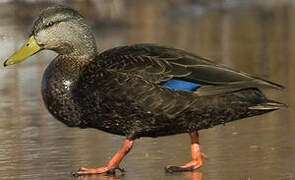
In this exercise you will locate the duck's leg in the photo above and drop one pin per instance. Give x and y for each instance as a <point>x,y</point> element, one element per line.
<point>113,163</point>
<point>196,161</point>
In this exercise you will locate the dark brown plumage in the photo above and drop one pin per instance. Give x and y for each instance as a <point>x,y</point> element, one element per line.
<point>120,92</point>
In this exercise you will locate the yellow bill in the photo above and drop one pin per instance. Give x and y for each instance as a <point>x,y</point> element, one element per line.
<point>28,49</point>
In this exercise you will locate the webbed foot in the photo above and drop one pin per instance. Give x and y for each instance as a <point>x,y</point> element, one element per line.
<point>113,164</point>
<point>197,157</point>
<point>101,170</point>
<point>190,166</point>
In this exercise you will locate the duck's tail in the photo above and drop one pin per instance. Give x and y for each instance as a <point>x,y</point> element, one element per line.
<point>257,102</point>
<point>270,105</point>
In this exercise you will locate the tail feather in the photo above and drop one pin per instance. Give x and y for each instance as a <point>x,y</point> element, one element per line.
<point>269,105</point>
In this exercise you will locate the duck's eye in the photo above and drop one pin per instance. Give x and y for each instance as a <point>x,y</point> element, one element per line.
<point>49,24</point>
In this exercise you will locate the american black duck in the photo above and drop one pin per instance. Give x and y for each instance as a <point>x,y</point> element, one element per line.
<point>141,90</point>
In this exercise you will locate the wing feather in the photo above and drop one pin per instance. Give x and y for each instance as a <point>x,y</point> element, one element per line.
<point>158,64</point>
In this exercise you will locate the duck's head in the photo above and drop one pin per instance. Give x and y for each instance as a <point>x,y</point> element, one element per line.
<point>60,29</point>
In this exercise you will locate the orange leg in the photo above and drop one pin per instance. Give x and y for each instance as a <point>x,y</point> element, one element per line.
<point>113,163</point>
<point>196,161</point>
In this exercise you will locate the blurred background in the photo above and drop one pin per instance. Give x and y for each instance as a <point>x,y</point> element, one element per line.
<point>254,36</point>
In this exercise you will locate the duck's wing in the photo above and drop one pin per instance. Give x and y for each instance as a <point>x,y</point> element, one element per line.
<point>159,64</point>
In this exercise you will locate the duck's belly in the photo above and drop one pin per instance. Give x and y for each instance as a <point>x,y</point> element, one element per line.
<point>115,118</point>
<point>120,116</point>
<point>124,118</point>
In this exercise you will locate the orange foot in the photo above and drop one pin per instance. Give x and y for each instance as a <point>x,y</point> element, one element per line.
<point>86,171</point>
<point>190,166</point>
<point>197,156</point>
<point>113,164</point>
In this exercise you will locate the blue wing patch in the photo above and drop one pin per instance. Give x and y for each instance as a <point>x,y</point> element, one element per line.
<point>180,85</point>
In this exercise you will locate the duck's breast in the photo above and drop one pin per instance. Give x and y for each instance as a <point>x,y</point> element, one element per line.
<point>57,85</point>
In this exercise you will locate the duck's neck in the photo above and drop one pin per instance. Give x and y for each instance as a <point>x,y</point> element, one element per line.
<point>71,66</point>
<point>82,49</point>
<point>75,58</point>
<point>80,54</point>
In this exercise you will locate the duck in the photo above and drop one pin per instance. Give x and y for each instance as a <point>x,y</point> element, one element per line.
<point>140,90</point>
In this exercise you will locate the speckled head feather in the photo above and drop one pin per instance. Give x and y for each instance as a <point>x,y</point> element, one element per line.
<point>58,27</point>
<point>53,15</point>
